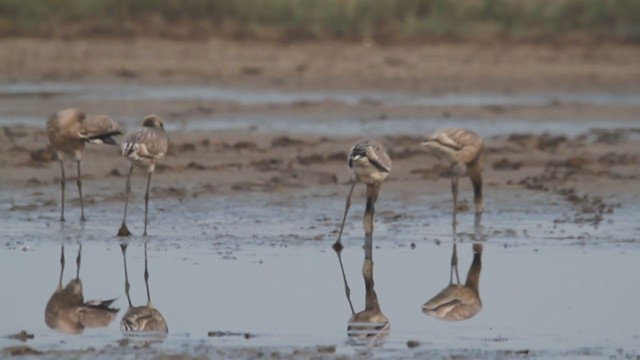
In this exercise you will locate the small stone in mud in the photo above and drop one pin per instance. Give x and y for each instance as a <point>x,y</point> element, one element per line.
<point>115,172</point>
<point>187,147</point>
<point>506,164</point>
<point>463,206</point>
<point>286,141</point>
<point>196,166</point>
<point>245,145</point>
<point>267,164</point>
<point>413,344</point>
<point>123,342</point>
<point>22,336</point>
<point>326,349</point>
<point>310,159</point>
<point>229,333</point>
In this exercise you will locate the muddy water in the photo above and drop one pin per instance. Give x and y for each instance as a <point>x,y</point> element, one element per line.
<point>263,266</point>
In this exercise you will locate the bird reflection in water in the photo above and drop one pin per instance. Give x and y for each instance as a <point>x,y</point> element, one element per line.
<point>67,311</point>
<point>369,327</point>
<point>457,301</point>
<point>145,321</point>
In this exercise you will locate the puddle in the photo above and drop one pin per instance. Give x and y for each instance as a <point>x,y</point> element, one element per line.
<point>252,272</point>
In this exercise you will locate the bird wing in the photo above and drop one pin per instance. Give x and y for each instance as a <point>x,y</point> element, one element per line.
<point>459,138</point>
<point>378,156</point>
<point>145,142</point>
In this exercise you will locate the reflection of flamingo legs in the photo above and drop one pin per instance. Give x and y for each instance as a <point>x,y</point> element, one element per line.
<point>454,265</point>
<point>347,290</point>
<point>369,326</point>
<point>144,318</point>
<point>127,286</point>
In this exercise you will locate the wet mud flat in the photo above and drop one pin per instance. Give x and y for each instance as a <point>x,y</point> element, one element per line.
<point>240,261</point>
<point>246,205</point>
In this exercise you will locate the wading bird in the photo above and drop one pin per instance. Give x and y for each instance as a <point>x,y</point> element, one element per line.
<point>69,130</point>
<point>370,164</point>
<point>143,147</point>
<point>462,148</point>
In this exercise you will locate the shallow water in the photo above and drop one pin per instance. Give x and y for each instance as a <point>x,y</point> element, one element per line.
<point>248,96</point>
<point>371,127</point>
<point>333,126</point>
<point>264,266</point>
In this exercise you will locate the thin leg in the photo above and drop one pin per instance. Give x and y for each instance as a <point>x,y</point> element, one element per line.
<point>454,191</point>
<point>454,265</point>
<point>372,196</point>
<point>61,264</point>
<point>347,290</point>
<point>337,246</point>
<point>79,182</point>
<point>146,274</point>
<point>477,226</point>
<point>146,204</point>
<point>124,231</point>
<point>78,262</point>
<point>62,182</point>
<point>123,247</point>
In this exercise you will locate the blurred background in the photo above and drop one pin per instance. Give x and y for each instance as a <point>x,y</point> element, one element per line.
<point>355,20</point>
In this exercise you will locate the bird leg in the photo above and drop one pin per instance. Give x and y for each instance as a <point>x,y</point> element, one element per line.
<point>347,290</point>
<point>454,191</point>
<point>61,263</point>
<point>337,246</point>
<point>146,274</point>
<point>454,265</point>
<point>62,182</point>
<point>78,262</point>
<point>124,231</point>
<point>477,226</point>
<point>146,204</point>
<point>476,180</point>
<point>372,196</point>
<point>79,182</point>
<point>123,247</point>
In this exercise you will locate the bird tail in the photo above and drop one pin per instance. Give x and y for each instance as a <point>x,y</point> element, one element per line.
<point>104,138</point>
<point>101,304</point>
